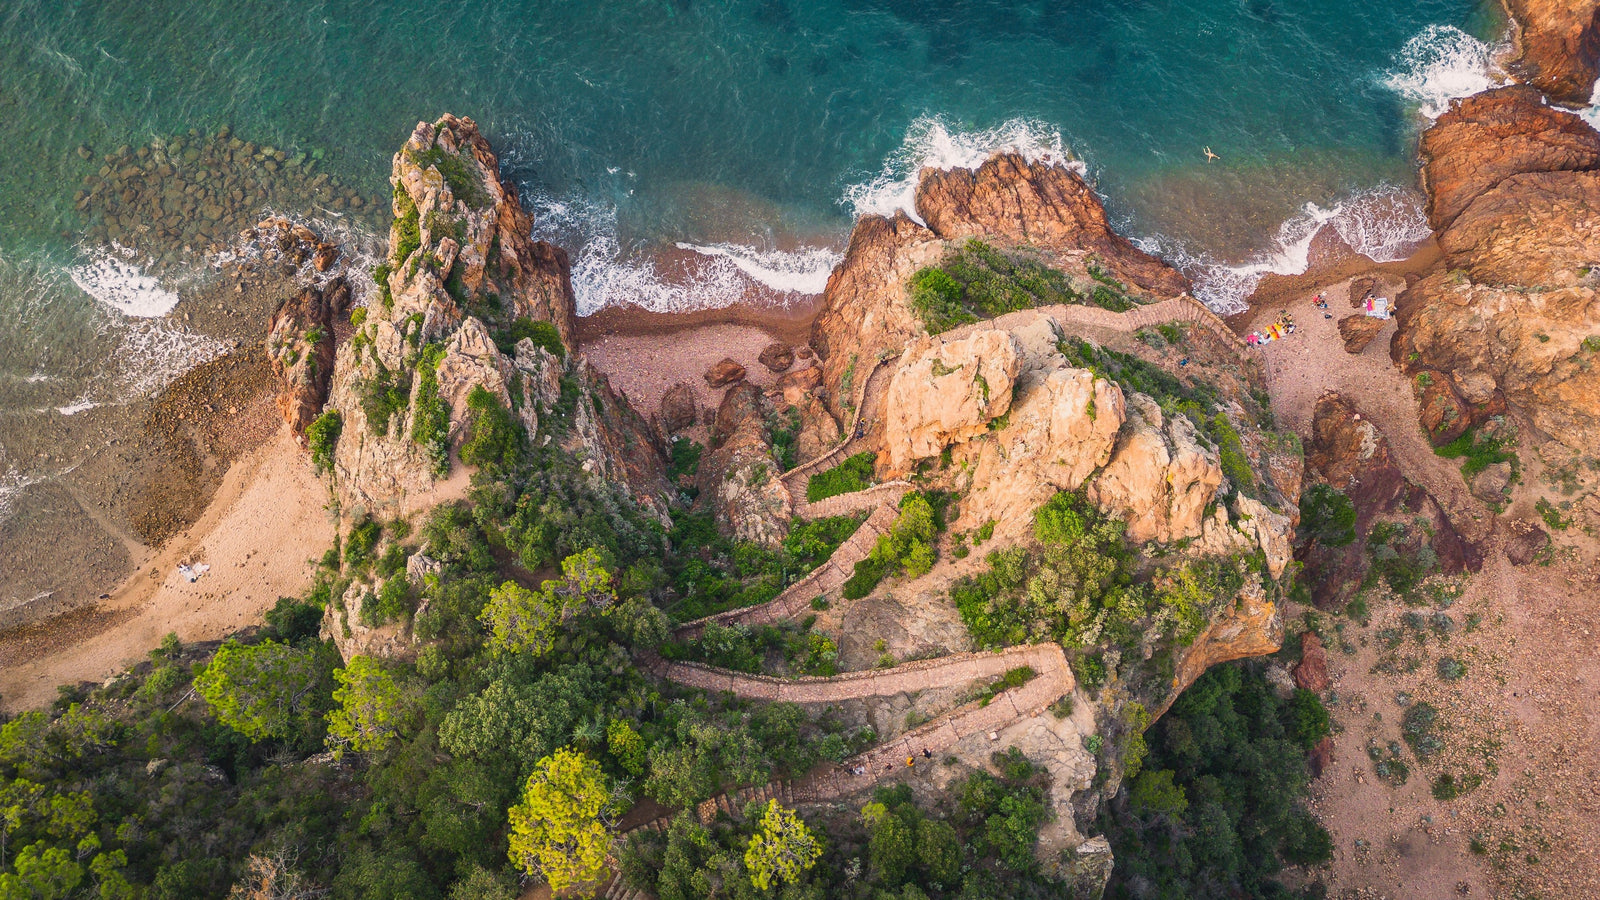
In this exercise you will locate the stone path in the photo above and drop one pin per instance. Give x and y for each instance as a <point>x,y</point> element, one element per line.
<point>1052,680</point>
<point>823,581</point>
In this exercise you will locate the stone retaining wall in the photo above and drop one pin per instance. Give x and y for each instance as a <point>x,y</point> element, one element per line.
<point>945,671</point>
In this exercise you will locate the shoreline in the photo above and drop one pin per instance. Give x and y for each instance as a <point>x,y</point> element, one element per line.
<point>260,534</point>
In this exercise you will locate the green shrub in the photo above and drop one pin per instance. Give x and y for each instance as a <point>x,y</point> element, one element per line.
<point>430,423</point>
<point>407,236</point>
<point>1235,464</point>
<point>1551,515</point>
<point>382,396</point>
<point>976,281</point>
<point>495,437</point>
<point>907,548</point>
<point>685,460</point>
<point>1308,720</point>
<point>1451,669</point>
<point>1418,726</point>
<point>851,475</point>
<point>541,333</point>
<point>937,297</point>
<point>1327,516</point>
<point>1479,452</point>
<point>363,539</point>
<point>322,436</point>
<point>460,174</point>
<point>1091,670</point>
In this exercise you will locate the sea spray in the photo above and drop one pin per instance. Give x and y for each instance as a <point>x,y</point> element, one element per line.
<point>932,143</point>
<point>1441,64</point>
<point>1384,224</point>
<point>110,276</point>
<point>605,274</point>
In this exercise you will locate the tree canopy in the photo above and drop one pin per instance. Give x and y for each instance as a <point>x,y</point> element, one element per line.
<point>782,849</point>
<point>258,690</point>
<point>560,829</point>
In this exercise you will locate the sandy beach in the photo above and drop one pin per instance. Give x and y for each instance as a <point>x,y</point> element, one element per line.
<point>260,536</point>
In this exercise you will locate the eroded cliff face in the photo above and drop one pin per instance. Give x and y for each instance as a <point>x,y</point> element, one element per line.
<point>1560,46</point>
<point>1512,315</point>
<point>462,289</point>
<point>1007,201</point>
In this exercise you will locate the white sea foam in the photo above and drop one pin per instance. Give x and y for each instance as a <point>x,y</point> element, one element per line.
<point>79,406</point>
<point>114,281</point>
<point>1440,64</point>
<point>803,271</point>
<point>1591,113</point>
<point>152,354</point>
<point>1384,224</point>
<point>932,143</point>
<point>605,274</point>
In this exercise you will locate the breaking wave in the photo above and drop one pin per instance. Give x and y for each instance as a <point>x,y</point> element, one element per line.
<point>1384,224</point>
<point>1441,64</point>
<point>931,143</point>
<point>113,280</point>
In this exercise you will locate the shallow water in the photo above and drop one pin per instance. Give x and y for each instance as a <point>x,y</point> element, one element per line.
<point>748,133</point>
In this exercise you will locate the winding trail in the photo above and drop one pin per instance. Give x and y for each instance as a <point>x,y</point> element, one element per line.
<point>1052,680</point>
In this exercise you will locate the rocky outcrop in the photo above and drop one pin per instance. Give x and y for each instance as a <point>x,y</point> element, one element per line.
<point>1513,313</point>
<point>1486,138</point>
<point>1358,331</point>
<point>943,392</point>
<point>462,277</point>
<point>1559,44</point>
<point>680,408</point>
<point>1160,478</point>
<point>300,343</point>
<point>1042,205</point>
<point>1250,625</point>
<point>1441,411</point>
<point>739,481</point>
<point>1007,201</point>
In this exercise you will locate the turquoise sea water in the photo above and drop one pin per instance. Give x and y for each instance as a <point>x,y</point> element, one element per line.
<point>748,132</point>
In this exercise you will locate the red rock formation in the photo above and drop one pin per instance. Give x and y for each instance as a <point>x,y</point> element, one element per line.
<point>739,481</point>
<point>1311,672</point>
<point>1050,207</point>
<point>301,345</point>
<point>1487,138</point>
<point>865,310</point>
<point>777,356</point>
<point>1513,313</point>
<point>1560,46</point>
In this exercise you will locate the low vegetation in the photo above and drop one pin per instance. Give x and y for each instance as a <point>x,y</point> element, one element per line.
<point>907,549</point>
<point>977,841</point>
<point>853,474</point>
<point>977,281</point>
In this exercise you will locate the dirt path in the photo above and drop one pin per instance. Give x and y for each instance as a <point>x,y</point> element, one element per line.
<point>262,531</point>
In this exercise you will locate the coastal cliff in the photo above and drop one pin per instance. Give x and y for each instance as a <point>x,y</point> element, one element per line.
<point>467,306</point>
<point>1058,390</point>
<point>1511,316</point>
<point>1559,46</point>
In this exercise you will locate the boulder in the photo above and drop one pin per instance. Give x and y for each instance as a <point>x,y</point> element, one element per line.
<point>1524,540</point>
<point>724,373</point>
<point>777,356</point>
<point>1359,330</point>
<point>1311,672</point>
<point>795,386</point>
<point>945,392</point>
<point>680,408</point>
<point>1492,483</point>
<point>739,483</point>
